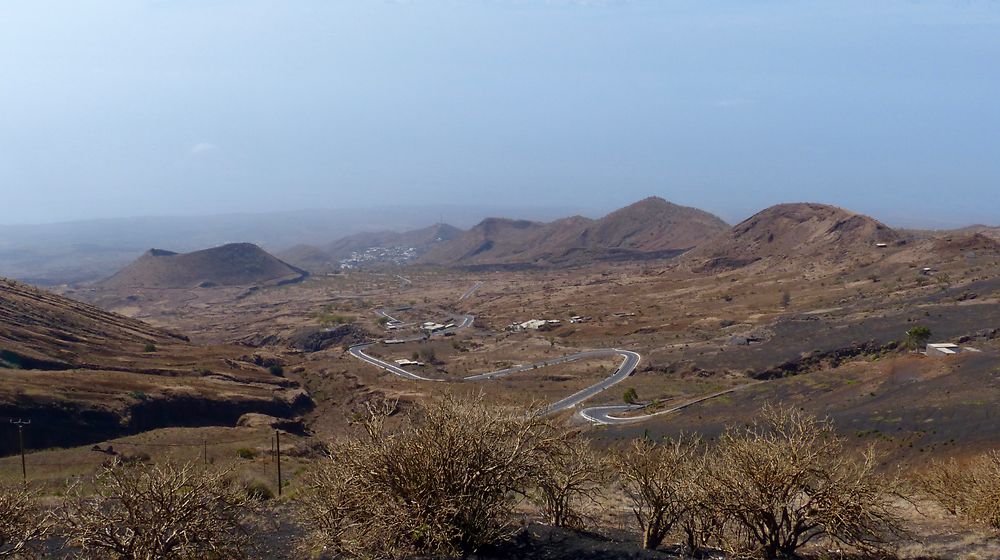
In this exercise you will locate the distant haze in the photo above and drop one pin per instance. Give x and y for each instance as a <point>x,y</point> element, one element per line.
<point>93,249</point>
<point>118,108</point>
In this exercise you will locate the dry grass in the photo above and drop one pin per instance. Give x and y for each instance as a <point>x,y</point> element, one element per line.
<point>50,470</point>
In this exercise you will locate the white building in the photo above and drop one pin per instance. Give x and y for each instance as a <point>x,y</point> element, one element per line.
<point>533,324</point>
<point>405,362</point>
<point>943,349</point>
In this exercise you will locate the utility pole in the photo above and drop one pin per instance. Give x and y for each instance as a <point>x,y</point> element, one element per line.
<point>205,450</point>
<point>20,437</point>
<point>277,441</point>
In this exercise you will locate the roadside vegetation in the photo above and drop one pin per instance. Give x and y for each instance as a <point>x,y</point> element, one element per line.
<point>457,477</point>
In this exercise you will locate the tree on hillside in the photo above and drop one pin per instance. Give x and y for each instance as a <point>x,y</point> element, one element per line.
<point>917,337</point>
<point>631,396</point>
<point>428,355</point>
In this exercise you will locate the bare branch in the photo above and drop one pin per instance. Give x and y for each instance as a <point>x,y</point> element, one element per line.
<point>158,511</point>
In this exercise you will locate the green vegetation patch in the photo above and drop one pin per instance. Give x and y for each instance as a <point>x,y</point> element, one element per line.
<point>329,317</point>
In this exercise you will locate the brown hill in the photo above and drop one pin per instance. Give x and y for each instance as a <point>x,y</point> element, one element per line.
<point>649,228</point>
<point>493,240</point>
<point>793,232</point>
<point>654,224</point>
<point>976,242</point>
<point>81,374</point>
<point>236,264</point>
<point>993,232</point>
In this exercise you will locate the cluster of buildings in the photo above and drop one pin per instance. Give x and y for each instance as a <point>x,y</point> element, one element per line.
<point>533,325</point>
<point>543,324</point>
<point>379,255</point>
<point>404,362</point>
<point>431,327</point>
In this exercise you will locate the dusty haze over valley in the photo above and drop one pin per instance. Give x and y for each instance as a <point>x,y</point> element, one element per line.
<point>500,279</point>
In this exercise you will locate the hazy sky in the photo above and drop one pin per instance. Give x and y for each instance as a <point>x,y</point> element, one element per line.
<point>137,107</point>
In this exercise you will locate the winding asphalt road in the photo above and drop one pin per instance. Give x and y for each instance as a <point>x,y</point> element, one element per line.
<point>598,414</point>
<point>358,351</point>
<point>629,363</point>
<point>630,360</point>
<point>611,414</point>
<point>471,291</point>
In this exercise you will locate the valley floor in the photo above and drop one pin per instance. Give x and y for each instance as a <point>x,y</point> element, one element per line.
<point>825,340</point>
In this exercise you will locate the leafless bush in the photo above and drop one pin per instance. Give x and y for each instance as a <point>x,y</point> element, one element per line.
<point>657,481</point>
<point>788,480</point>
<point>23,525</point>
<point>701,523</point>
<point>970,490</point>
<point>569,472</point>
<point>139,511</point>
<point>443,486</point>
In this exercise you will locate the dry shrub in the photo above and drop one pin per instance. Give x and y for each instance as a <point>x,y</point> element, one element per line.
<point>765,490</point>
<point>139,511</point>
<point>569,474</point>
<point>444,486</point>
<point>702,523</point>
<point>970,490</point>
<point>658,481</point>
<point>23,525</point>
<point>788,480</point>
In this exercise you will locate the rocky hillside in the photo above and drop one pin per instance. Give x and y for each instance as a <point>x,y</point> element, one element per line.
<point>236,264</point>
<point>651,228</point>
<point>82,374</point>
<point>993,232</point>
<point>966,244</point>
<point>40,330</point>
<point>795,233</point>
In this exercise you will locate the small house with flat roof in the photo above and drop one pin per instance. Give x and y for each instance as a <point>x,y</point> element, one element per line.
<point>943,349</point>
